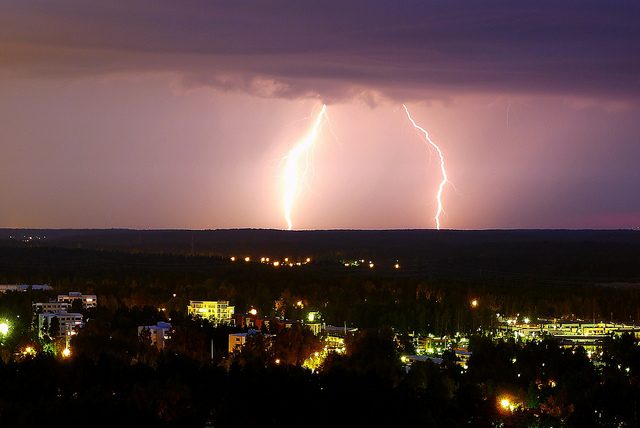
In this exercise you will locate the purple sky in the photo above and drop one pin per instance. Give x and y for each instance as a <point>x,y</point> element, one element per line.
<point>164,114</point>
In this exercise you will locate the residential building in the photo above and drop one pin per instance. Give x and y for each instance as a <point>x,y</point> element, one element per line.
<point>88,300</point>
<point>216,311</point>
<point>68,323</point>
<point>51,307</point>
<point>237,341</point>
<point>158,333</point>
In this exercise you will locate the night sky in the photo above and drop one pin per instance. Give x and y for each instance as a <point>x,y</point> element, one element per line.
<point>178,114</point>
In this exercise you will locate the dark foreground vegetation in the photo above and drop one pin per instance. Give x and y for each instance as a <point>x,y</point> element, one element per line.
<point>368,386</point>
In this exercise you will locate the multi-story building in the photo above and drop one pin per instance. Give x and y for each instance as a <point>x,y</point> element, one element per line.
<point>216,311</point>
<point>158,333</point>
<point>237,341</point>
<point>68,323</point>
<point>88,300</point>
<point>51,307</point>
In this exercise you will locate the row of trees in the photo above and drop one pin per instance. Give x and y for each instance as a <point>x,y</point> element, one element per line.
<point>408,303</point>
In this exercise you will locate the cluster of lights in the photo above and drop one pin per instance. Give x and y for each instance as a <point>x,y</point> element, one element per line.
<point>370,264</point>
<point>276,263</point>
<point>28,351</point>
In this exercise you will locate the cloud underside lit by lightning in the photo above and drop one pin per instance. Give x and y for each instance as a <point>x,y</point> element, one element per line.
<point>442,165</point>
<point>293,176</point>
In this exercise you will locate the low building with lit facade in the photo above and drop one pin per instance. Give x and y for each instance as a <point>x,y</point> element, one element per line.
<point>24,287</point>
<point>158,334</point>
<point>69,323</point>
<point>88,300</point>
<point>335,337</point>
<point>216,311</point>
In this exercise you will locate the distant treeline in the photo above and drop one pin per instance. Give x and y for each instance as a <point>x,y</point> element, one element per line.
<point>356,296</point>
<point>587,255</point>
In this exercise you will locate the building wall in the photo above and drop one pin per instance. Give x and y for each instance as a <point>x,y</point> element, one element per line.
<point>216,311</point>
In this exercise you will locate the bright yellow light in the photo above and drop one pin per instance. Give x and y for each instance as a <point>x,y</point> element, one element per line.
<point>262,259</point>
<point>233,258</point>
<point>397,266</point>
<point>292,176</point>
<point>253,311</point>
<point>311,317</point>
<point>371,265</point>
<point>442,167</point>
<point>299,304</point>
<point>4,328</point>
<point>308,260</point>
<point>404,359</point>
<point>474,303</point>
<point>276,264</point>
<point>286,259</point>
<point>505,403</point>
<point>66,353</point>
<point>277,361</point>
<point>526,320</point>
<point>247,259</point>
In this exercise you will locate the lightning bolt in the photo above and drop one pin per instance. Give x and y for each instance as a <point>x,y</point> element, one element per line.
<point>292,176</point>
<point>443,170</point>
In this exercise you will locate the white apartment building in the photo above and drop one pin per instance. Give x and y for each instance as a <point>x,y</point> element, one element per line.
<point>69,322</point>
<point>51,307</point>
<point>159,333</point>
<point>88,300</point>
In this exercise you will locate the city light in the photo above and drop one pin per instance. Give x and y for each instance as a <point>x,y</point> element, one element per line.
<point>505,403</point>
<point>29,350</point>
<point>397,266</point>
<point>233,258</point>
<point>253,311</point>
<point>247,259</point>
<point>66,353</point>
<point>474,303</point>
<point>4,328</point>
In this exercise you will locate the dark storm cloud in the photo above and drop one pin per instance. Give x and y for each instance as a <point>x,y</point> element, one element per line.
<point>336,49</point>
